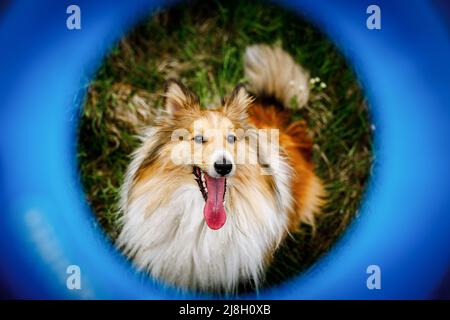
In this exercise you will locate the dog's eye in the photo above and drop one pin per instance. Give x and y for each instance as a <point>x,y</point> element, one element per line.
<point>231,138</point>
<point>199,139</point>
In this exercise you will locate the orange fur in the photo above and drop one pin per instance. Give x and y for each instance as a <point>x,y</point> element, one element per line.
<point>165,201</point>
<point>297,144</point>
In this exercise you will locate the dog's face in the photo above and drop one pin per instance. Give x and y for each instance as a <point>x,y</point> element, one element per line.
<point>208,142</point>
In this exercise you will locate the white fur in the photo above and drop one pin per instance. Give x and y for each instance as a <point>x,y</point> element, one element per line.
<point>173,242</point>
<point>272,71</point>
<point>176,245</point>
<point>148,140</point>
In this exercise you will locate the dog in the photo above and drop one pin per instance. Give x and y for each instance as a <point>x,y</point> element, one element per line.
<point>197,215</point>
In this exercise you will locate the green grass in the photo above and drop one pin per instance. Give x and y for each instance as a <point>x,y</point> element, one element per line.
<point>202,44</point>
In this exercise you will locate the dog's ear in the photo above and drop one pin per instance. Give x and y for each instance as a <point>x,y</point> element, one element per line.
<point>178,98</point>
<point>237,104</point>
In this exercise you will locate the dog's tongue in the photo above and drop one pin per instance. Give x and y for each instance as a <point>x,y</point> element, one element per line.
<point>214,212</point>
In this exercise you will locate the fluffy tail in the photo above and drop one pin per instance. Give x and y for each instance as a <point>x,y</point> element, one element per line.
<point>272,72</point>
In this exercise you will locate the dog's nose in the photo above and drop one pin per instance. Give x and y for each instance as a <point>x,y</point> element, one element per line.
<point>223,167</point>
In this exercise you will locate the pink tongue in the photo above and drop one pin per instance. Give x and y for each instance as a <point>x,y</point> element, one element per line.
<point>214,212</point>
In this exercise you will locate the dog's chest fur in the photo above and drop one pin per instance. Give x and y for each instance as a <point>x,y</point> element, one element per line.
<point>174,244</point>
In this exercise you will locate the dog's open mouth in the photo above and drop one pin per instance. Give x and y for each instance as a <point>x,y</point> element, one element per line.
<point>213,191</point>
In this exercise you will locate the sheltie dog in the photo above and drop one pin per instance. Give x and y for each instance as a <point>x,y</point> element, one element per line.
<point>212,192</point>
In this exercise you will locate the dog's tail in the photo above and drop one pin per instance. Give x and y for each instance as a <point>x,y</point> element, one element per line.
<point>273,74</point>
<point>276,80</point>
